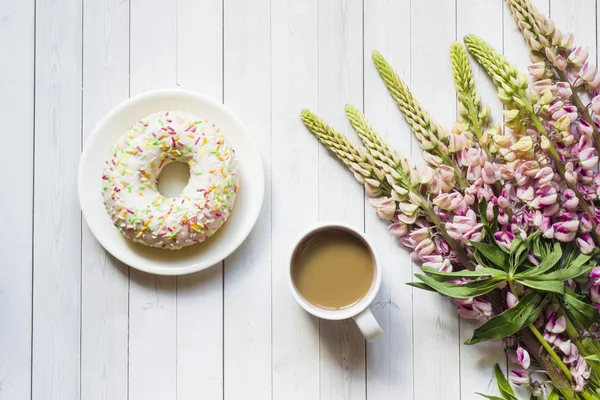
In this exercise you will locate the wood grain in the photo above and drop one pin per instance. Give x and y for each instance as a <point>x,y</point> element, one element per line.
<point>57,219</point>
<point>105,281</point>
<point>389,360</point>
<point>16,176</point>
<point>247,297</point>
<point>294,166</point>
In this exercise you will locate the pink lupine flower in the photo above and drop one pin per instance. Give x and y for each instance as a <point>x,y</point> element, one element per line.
<point>563,234</point>
<point>584,128</point>
<point>424,248</point>
<point>570,174</point>
<point>571,201</point>
<point>520,377</point>
<point>564,90</point>
<point>589,75</point>
<point>523,357</point>
<point>537,70</point>
<point>596,104</point>
<point>595,294</point>
<point>580,372</point>
<point>449,201</point>
<point>398,229</point>
<point>443,180</point>
<point>437,262</point>
<point>490,173</point>
<point>386,207</point>
<point>555,325</point>
<point>595,276</point>
<point>473,308</point>
<point>563,123</point>
<point>542,85</point>
<point>544,175</point>
<point>587,159</point>
<point>418,235</point>
<point>585,243</point>
<point>578,56</point>
<point>511,300</point>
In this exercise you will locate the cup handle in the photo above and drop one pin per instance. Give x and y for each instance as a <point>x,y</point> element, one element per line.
<point>368,325</point>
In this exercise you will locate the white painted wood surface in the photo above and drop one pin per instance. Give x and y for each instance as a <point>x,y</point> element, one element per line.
<point>77,324</point>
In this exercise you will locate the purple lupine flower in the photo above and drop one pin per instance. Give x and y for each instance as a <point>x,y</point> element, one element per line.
<point>520,377</point>
<point>556,325</point>
<point>523,357</point>
<point>585,243</point>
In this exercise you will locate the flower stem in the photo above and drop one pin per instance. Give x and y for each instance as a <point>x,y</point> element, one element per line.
<point>557,360</point>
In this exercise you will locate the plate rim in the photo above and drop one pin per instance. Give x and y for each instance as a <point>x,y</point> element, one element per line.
<point>260,181</point>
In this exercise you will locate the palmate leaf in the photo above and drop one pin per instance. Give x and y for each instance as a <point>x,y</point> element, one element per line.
<point>512,320</point>
<point>544,285</point>
<point>445,276</point>
<point>472,289</point>
<point>549,261</point>
<point>583,314</point>
<point>492,253</point>
<point>570,272</point>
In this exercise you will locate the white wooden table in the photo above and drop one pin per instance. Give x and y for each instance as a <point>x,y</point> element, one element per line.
<point>77,324</point>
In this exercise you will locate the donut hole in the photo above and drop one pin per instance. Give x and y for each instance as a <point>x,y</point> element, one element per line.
<point>173,178</point>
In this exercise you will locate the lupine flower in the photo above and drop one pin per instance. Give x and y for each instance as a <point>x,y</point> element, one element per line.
<point>556,325</point>
<point>520,377</point>
<point>386,207</point>
<point>523,357</point>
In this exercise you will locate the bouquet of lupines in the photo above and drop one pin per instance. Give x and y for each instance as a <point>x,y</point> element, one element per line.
<point>504,222</point>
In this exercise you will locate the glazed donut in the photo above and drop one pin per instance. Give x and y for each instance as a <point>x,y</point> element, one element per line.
<point>130,184</point>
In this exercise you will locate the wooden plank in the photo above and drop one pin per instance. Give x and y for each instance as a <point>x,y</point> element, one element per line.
<point>389,359</point>
<point>247,296</point>
<point>342,361</point>
<point>483,18</point>
<point>57,218</point>
<point>152,299</point>
<point>105,281</point>
<point>295,186</point>
<point>435,321</point>
<point>16,176</point>
<point>577,17</point>
<point>200,295</point>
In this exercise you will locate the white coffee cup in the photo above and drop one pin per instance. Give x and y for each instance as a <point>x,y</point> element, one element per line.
<point>360,311</point>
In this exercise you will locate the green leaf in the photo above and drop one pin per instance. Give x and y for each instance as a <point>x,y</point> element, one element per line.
<point>512,320</point>
<point>518,254</point>
<point>421,285</point>
<point>540,248</point>
<point>487,396</point>
<point>571,272</point>
<point>547,263</point>
<point>505,389</point>
<point>593,358</point>
<point>583,313</point>
<point>463,274</point>
<point>473,289</point>
<point>492,253</point>
<point>544,286</point>
<point>554,395</point>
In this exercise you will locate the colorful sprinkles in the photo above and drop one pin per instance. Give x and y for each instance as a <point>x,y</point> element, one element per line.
<point>130,185</point>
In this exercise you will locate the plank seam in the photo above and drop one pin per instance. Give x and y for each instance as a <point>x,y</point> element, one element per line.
<point>33,195</point>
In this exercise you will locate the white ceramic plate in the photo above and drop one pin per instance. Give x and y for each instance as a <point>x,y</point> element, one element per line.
<point>192,258</point>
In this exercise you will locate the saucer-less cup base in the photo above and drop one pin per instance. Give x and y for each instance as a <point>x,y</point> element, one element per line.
<point>360,312</point>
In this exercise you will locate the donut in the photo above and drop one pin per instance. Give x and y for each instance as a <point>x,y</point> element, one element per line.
<point>130,180</point>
